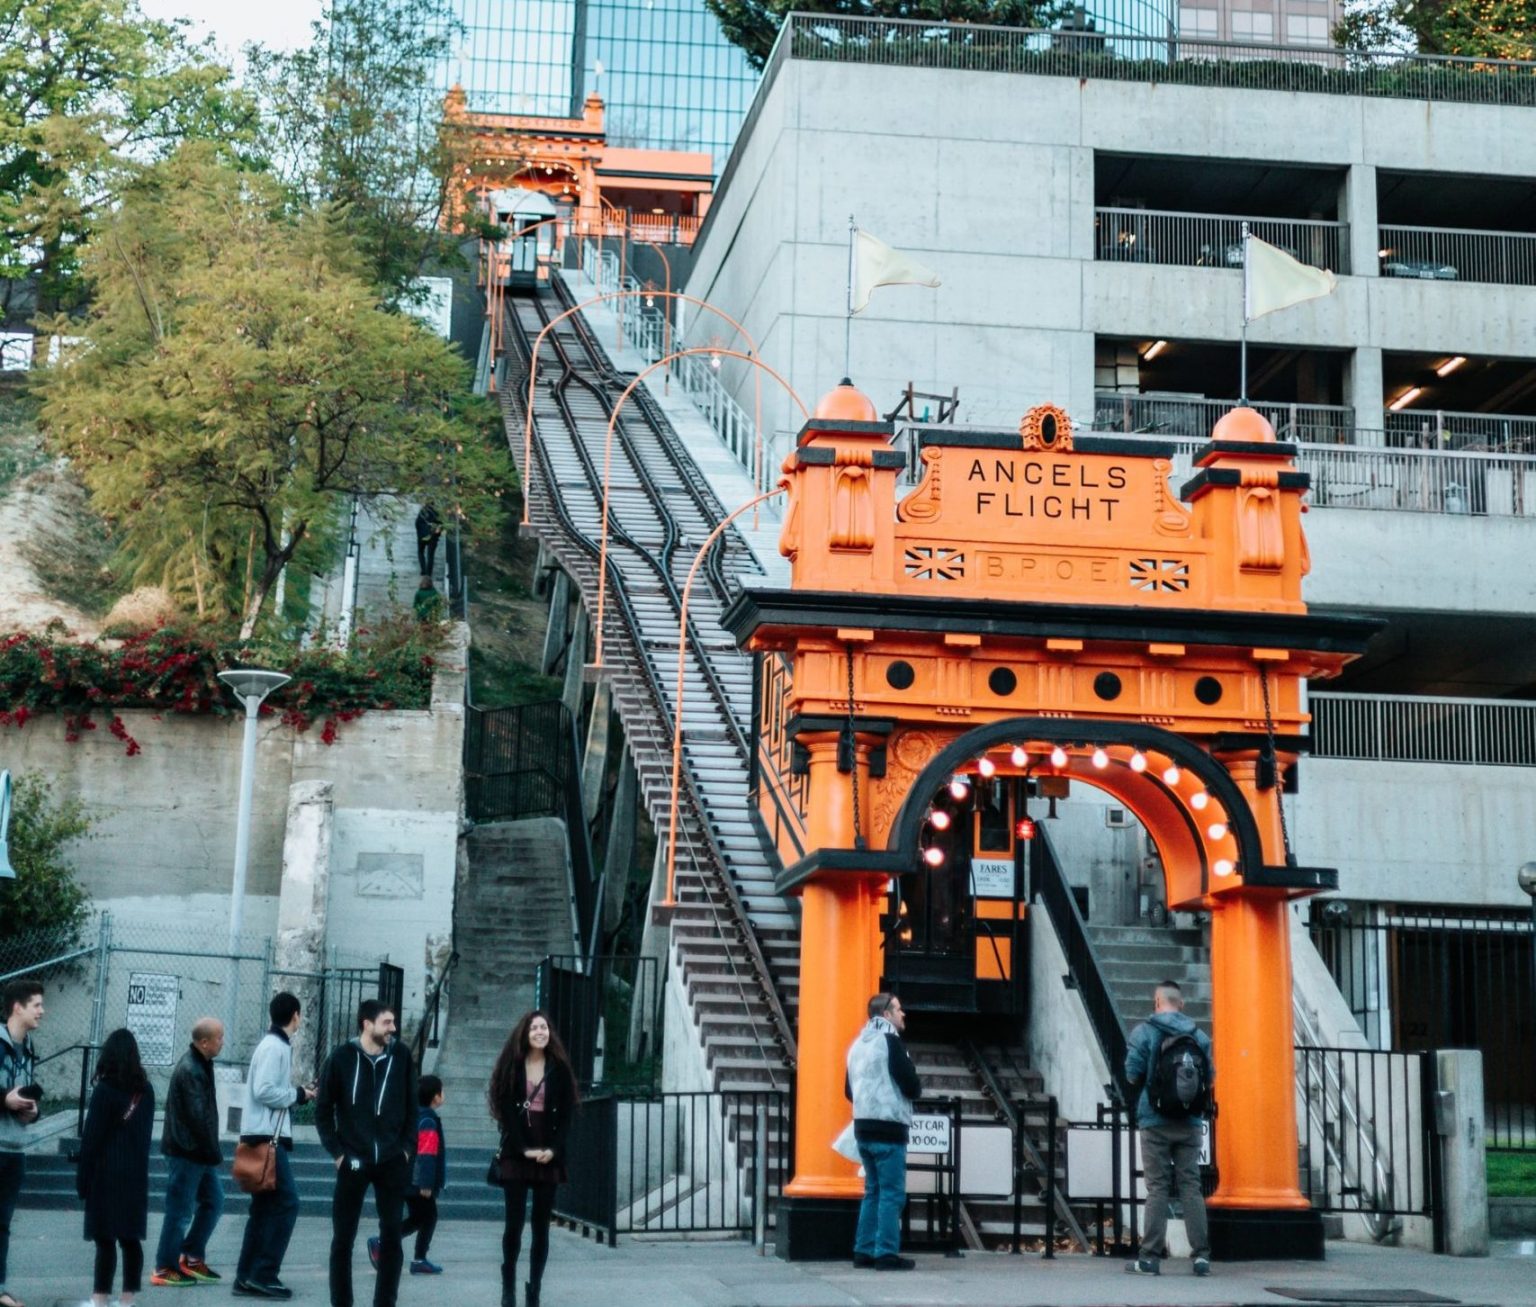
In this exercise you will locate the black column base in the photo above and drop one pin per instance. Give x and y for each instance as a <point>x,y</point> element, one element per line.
<point>816,1229</point>
<point>1244,1234</point>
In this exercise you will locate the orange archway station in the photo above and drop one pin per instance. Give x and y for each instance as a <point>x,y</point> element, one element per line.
<point>1042,603</point>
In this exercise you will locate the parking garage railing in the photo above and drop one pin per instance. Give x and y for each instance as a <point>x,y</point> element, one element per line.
<point>1423,728</point>
<point>1193,416</point>
<point>1502,433</point>
<point>1203,240</point>
<point>1458,254</point>
<point>1068,52</point>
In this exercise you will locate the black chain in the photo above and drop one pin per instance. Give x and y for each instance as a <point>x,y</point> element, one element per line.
<point>853,754</point>
<point>1274,762</point>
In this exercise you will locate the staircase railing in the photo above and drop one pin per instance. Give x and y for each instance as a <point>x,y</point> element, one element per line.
<point>1083,970</point>
<point>523,761</point>
<point>426,1034</point>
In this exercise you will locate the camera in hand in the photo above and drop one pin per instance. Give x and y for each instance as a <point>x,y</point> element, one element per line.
<point>34,1092</point>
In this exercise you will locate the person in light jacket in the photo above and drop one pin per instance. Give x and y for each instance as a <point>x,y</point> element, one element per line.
<point>270,1097</point>
<point>882,1084</point>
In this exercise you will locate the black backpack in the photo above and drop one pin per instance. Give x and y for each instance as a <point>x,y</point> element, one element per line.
<point>1179,1083</point>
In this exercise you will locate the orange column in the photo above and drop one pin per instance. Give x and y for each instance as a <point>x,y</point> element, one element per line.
<point>839,970</point>
<point>1251,1020</point>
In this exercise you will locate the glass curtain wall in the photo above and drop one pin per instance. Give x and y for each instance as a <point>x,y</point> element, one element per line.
<point>518,56</point>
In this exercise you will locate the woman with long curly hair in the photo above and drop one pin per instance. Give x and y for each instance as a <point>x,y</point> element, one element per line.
<point>532,1097</point>
<point>113,1171</point>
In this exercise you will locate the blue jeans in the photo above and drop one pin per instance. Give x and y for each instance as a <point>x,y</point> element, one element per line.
<point>270,1227</point>
<point>13,1166</point>
<point>885,1194</point>
<point>189,1185</point>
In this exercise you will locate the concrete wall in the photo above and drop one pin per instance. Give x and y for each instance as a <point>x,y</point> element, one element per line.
<point>1415,833</point>
<point>163,846</point>
<point>988,178</point>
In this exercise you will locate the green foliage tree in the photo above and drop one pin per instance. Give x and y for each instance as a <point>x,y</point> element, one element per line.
<point>1482,29</point>
<point>90,91</point>
<point>754,24</point>
<point>44,897</point>
<point>237,382</point>
<point>356,120</point>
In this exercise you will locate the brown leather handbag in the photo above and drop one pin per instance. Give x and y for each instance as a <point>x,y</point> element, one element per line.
<point>255,1168</point>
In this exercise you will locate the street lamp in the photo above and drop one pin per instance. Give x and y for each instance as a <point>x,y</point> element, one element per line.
<point>250,685</point>
<point>7,872</point>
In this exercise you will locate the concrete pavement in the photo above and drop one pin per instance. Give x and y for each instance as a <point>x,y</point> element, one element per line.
<point>50,1267</point>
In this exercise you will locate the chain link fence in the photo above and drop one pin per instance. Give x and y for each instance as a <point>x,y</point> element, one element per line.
<point>157,978</point>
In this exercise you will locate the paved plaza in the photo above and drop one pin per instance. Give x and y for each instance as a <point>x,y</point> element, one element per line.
<point>50,1265</point>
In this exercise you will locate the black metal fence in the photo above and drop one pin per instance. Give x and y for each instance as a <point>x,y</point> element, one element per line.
<point>1419,978</point>
<point>525,761</point>
<point>677,1163</point>
<point>609,1015</point>
<point>1367,1133</point>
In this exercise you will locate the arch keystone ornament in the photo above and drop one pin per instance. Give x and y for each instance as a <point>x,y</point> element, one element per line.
<point>1067,616</point>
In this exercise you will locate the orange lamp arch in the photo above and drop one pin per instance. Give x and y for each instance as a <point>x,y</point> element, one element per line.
<point>1163,808</point>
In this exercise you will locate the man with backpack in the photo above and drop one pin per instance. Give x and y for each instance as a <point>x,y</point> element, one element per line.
<point>1168,1063</point>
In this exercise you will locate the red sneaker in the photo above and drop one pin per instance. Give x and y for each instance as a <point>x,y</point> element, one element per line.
<point>199,1271</point>
<point>169,1275</point>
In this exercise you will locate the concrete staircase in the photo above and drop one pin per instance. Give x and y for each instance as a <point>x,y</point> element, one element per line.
<point>1134,958</point>
<point>513,910</point>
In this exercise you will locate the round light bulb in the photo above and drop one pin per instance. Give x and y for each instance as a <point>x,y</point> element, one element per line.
<point>934,857</point>
<point>1224,867</point>
<point>1138,761</point>
<point>959,787</point>
<point>1217,830</point>
<point>1171,776</point>
<point>939,819</point>
<point>1058,757</point>
<point>714,362</point>
<point>986,767</point>
<point>1018,757</point>
<point>1199,799</point>
<point>1100,759</point>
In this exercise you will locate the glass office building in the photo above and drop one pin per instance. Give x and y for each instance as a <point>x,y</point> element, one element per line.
<point>668,78</point>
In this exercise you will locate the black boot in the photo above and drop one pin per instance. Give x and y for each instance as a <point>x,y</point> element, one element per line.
<point>531,1292</point>
<point>509,1295</point>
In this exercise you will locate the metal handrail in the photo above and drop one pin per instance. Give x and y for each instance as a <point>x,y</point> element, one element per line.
<point>1458,254</point>
<point>426,1034</point>
<point>1450,429</point>
<point>1083,965</point>
<point>1193,417</point>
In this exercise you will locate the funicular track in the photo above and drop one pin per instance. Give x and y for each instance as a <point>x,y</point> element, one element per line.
<point>735,938</point>
<point>660,510</point>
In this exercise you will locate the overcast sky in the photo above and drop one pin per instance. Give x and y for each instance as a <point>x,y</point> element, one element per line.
<point>281,24</point>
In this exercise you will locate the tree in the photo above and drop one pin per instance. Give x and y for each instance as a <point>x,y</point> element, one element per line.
<point>92,92</point>
<point>754,24</point>
<point>356,120</point>
<point>44,897</point>
<point>237,382</point>
<point>1483,29</point>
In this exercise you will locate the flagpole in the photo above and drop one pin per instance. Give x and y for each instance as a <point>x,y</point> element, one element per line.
<point>1243,381</point>
<point>848,317</point>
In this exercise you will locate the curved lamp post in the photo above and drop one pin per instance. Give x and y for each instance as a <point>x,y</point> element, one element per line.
<point>538,344</point>
<point>613,418</point>
<point>250,685</point>
<point>677,709</point>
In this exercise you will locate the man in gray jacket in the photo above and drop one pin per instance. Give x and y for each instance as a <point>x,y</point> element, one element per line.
<point>1170,1138</point>
<point>22,1001</point>
<point>270,1097</point>
<point>882,1084</point>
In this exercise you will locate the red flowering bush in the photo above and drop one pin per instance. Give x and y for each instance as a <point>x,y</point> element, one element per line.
<point>175,669</point>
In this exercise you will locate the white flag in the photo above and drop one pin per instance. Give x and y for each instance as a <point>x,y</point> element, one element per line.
<point>876,264</point>
<point>1273,280</point>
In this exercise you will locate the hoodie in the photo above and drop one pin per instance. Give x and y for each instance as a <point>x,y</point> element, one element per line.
<point>18,1067</point>
<point>882,1083</point>
<point>1141,1051</point>
<point>366,1105</point>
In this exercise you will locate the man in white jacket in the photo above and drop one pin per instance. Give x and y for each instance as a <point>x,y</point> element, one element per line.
<point>882,1084</point>
<point>270,1096</point>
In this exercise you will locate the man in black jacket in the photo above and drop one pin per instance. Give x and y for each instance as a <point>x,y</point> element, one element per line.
<point>194,1188</point>
<point>366,1115</point>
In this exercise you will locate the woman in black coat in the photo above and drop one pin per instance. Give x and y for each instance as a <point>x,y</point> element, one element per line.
<point>113,1175</point>
<point>532,1096</point>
